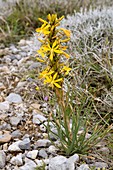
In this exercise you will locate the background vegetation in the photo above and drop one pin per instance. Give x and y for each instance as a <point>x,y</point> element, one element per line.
<point>21,19</point>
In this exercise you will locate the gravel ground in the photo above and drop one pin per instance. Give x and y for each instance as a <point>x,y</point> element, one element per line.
<point>24,143</point>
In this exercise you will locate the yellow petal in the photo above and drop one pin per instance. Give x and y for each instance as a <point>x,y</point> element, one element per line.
<point>48,79</point>
<point>66,32</point>
<point>43,26</point>
<point>65,40</point>
<point>56,25</point>
<point>46,48</point>
<point>38,29</point>
<point>48,45</point>
<point>50,72</point>
<point>40,60</point>
<point>54,17</point>
<point>46,32</point>
<point>64,47</point>
<point>66,55</point>
<point>55,75</point>
<point>51,56</point>
<point>61,18</point>
<point>49,17</point>
<point>54,44</point>
<point>58,51</point>
<point>46,27</point>
<point>58,80</point>
<point>41,20</point>
<point>57,85</point>
<point>41,53</point>
<point>52,28</point>
<point>66,70</point>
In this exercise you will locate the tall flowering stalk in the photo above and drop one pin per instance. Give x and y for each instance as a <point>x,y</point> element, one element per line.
<point>68,123</point>
<point>51,52</point>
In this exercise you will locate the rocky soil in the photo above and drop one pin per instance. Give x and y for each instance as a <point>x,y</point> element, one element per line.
<point>24,143</point>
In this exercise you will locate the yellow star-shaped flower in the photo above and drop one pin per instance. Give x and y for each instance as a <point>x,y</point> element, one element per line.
<point>45,73</point>
<point>53,81</point>
<point>53,49</point>
<point>66,70</point>
<point>44,29</point>
<point>41,52</point>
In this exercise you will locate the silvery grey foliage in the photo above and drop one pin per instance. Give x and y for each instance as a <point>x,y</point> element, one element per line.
<point>90,27</point>
<point>91,45</point>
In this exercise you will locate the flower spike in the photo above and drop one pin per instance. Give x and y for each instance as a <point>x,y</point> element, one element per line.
<point>52,50</point>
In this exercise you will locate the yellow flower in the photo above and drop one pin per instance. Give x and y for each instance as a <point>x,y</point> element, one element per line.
<point>44,29</point>
<point>45,73</point>
<point>37,88</point>
<point>53,19</point>
<point>41,52</point>
<point>53,49</point>
<point>53,81</point>
<point>66,32</point>
<point>63,48</point>
<point>66,70</point>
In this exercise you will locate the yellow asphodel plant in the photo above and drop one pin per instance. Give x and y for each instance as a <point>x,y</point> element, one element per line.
<point>51,52</point>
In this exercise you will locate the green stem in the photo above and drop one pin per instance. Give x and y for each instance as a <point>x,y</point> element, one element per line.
<point>62,105</point>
